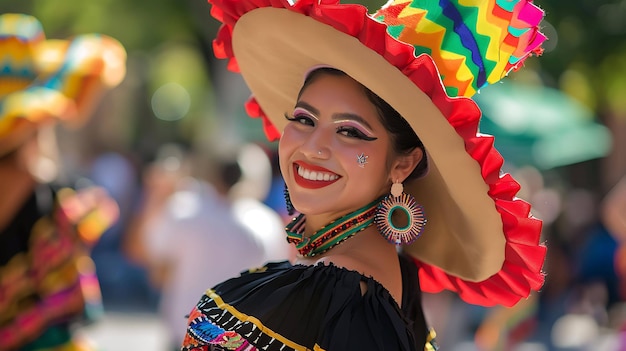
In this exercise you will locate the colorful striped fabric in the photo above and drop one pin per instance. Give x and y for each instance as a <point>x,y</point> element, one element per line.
<point>51,283</point>
<point>472,44</point>
<point>18,37</point>
<point>52,79</point>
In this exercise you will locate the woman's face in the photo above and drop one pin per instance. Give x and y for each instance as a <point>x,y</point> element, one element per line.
<point>332,126</point>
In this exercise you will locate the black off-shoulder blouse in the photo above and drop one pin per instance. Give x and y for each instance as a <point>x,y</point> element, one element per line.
<point>295,307</point>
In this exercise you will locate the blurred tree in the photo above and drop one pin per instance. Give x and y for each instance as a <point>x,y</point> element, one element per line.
<point>586,48</point>
<point>588,62</point>
<point>139,25</point>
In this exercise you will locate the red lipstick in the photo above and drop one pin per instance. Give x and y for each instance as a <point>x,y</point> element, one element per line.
<point>312,184</point>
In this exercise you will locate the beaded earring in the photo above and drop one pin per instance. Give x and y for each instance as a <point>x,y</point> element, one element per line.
<point>399,200</point>
<point>290,209</point>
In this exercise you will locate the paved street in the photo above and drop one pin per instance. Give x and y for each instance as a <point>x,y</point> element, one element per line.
<point>127,332</point>
<point>118,331</point>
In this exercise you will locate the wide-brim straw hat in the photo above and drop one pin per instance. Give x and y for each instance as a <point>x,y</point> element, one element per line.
<point>43,81</point>
<point>480,241</point>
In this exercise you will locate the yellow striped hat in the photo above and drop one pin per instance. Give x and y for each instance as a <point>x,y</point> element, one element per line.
<point>47,80</point>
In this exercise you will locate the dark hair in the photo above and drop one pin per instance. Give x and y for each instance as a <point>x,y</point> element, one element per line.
<point>403,137</point>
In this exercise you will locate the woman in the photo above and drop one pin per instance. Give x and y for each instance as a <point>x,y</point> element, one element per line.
<point>355,97</point>
<point>47,279</point>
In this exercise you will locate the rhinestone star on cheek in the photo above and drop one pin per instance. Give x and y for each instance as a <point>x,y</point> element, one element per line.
<point>361,160</point>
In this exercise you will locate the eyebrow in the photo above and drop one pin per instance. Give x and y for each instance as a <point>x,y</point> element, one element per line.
<point>336,116</point>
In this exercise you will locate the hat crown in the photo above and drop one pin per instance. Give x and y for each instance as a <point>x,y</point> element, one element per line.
<point>473,42</point>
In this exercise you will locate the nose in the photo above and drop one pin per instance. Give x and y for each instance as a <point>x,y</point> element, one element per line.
<point>317,145</point>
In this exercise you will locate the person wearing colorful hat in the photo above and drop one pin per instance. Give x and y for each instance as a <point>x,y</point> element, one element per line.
<point>47,279</point>
<point>397,191</point>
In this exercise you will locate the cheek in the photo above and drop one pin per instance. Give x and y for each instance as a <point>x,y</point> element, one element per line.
<point>376,167</point>
<point>286,146</point>
<point>373,157</point>
<point>289,136</point>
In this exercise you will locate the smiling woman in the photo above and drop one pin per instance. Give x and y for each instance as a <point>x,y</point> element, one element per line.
<point>396,190</point>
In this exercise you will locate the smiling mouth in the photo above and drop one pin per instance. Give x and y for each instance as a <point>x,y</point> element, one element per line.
<point>313,178</point>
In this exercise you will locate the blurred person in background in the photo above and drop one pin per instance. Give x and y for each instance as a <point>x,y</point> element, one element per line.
<point>580,315</point>
<point>193,227</point>
<point>613,213</point>
<point>250,196</point>
<point>124,283</point>
<point>573,308</point>
<point>47,279</point>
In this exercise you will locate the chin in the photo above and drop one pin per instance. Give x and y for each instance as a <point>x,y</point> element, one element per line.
<point>312,208</point>
<point>306,209</point>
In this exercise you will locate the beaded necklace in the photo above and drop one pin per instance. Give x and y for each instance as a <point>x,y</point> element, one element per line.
<point>332,234</point>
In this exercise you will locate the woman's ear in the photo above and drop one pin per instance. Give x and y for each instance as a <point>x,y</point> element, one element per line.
<point>405,164</point>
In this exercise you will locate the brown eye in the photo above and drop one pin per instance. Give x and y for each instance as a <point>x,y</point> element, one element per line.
<point>301,119</point>
<point>352,132</point>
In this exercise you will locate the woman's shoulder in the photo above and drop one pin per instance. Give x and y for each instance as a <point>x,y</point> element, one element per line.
<point>330,276</point>
<point>303,306</point>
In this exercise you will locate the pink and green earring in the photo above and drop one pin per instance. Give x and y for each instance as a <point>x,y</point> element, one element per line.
<point>399,200</point>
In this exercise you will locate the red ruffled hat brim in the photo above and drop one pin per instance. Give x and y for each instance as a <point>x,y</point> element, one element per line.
<point>521,270</point>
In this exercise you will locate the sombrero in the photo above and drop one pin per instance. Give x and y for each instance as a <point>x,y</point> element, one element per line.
<point>43,81</point>
<point>426,59</point>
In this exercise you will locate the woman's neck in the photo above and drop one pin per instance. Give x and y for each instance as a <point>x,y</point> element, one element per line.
<point>316,222</point>
<point>325,237</point>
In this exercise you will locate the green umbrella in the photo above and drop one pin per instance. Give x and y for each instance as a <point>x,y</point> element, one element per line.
<point>540,126</point>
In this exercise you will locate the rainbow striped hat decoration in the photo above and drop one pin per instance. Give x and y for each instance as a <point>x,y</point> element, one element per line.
<point>48,80</point>
<point>474,43</point>
<point>425,58</point>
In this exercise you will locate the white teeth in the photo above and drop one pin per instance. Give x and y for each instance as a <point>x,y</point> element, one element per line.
<point>316,175</point>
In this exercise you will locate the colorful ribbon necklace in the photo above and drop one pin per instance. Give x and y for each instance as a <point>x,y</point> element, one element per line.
<point>332,234</point>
